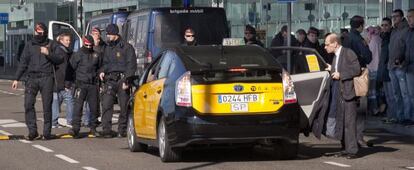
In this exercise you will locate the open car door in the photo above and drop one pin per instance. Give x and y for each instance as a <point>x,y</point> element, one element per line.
<point>56,28</point>
<point>307,69</point>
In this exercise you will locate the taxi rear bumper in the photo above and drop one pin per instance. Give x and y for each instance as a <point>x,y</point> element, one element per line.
<point>186,127</point>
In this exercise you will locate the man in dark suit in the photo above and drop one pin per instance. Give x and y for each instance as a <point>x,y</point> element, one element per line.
<point>345,67</point>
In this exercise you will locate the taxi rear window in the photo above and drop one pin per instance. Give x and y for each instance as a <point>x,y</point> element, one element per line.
<point>231,63</point>
<point>225,57</point>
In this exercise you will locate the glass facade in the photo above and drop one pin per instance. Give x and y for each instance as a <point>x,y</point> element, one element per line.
<point>268,16</point>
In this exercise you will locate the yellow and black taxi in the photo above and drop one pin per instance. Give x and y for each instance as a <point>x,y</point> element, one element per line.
<point>206,95</point>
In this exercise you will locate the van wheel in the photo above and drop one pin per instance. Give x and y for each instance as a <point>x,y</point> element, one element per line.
<point>167,154</point>
<point>133,144</point>
<point>285,150</point>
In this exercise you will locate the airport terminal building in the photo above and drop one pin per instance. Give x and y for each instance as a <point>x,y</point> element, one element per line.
<point>268,16</point>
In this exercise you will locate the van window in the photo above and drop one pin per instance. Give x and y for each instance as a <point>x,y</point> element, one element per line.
<point>132,28</point>
<point>210,28</point>
<point>142,30</point>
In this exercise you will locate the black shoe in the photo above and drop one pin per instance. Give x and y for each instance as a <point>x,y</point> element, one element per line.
<point>362,143</point>
<point>341,154</point>
<point>74,134</point>
<point>370,144</point>
<point>351,156</point>
<point>94,133</point>
<point>329,154</point>
<point>122,134</point>
<point>49,137</point>
<point>107,135</point>
<point>34,136</point>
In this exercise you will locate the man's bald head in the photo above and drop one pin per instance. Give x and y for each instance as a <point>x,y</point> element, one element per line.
<point>332,42</point>
<point>332,38</point>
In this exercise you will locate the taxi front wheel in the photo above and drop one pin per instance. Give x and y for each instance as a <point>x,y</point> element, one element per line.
<point>167,154</point>
<point>133,144</point>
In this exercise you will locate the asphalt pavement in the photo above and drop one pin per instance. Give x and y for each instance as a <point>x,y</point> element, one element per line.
<point>391,150</point>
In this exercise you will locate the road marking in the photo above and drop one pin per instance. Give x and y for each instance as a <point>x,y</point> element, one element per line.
<point>67,159</point>
<point>412,167</point>
<point>42,148</point>
<point>11,123</point>
<point>5,133</point>
<point>7,121</point>
<point>6,92</point>
<point>14,125</point>
<point>89,168</point>
<point>338,164</point>
<point>24,141</point>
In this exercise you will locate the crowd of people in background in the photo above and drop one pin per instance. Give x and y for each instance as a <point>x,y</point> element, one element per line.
<point>386,50</point>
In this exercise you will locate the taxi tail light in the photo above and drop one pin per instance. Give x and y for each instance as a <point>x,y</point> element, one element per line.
<point>237,70</point>
<point>183,90</point>
<point>288,89</point>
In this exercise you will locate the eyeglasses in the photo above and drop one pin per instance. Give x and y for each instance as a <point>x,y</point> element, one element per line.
<point>88,45</point>
<point>395,16</point>
<point>247,33</point>
<point>189,35</point>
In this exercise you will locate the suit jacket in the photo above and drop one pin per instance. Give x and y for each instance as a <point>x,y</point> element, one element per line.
<point>348,68</point>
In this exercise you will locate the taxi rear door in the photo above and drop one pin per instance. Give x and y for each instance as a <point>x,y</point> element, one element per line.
<point>145,97</point>
<point>307,69</point>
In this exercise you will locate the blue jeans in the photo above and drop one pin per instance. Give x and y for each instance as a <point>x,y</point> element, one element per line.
<point>391,105</point>
<point>400,93</point>
<point>372,92</point>
<point>62,96</point>
<point>410,83</point>
<point>87,116</point>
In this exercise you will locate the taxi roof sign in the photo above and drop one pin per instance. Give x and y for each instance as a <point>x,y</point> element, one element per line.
<point>233,41</point>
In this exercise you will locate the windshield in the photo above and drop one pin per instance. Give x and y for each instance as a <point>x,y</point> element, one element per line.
<point>210,26</point>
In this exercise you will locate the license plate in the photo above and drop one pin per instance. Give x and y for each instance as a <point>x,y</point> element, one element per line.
<point>238,98</point>
<point>239,107</point>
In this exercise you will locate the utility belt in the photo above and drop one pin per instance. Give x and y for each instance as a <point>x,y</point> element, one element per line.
<point>115,76</point>
<point>79,83</point>
<point>37,75</point>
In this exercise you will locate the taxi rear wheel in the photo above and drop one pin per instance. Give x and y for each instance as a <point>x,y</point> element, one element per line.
<point>133,144</point>
<point>285,150</point>
<point>167,154</point>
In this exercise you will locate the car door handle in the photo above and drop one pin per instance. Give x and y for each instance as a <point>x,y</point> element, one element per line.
<point>159,91</point>
<point>145,95</point>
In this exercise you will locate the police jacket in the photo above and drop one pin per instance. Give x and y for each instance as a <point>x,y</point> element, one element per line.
<point>86,63</point>
<point>279,40</point>
<point>33,61</point>
<point>396,46</point>
<point>119,57</point>
<point>253,41</point>
<point>355,42</point>
<point>64,72</point>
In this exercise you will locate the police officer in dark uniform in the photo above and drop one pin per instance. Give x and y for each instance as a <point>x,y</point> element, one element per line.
<point>38,61</point>
<point>119,63</point>
<point>86,63</point>
<point>99,46</point>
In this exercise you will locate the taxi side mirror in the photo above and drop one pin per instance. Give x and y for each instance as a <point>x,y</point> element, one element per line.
<point>133,80</point>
